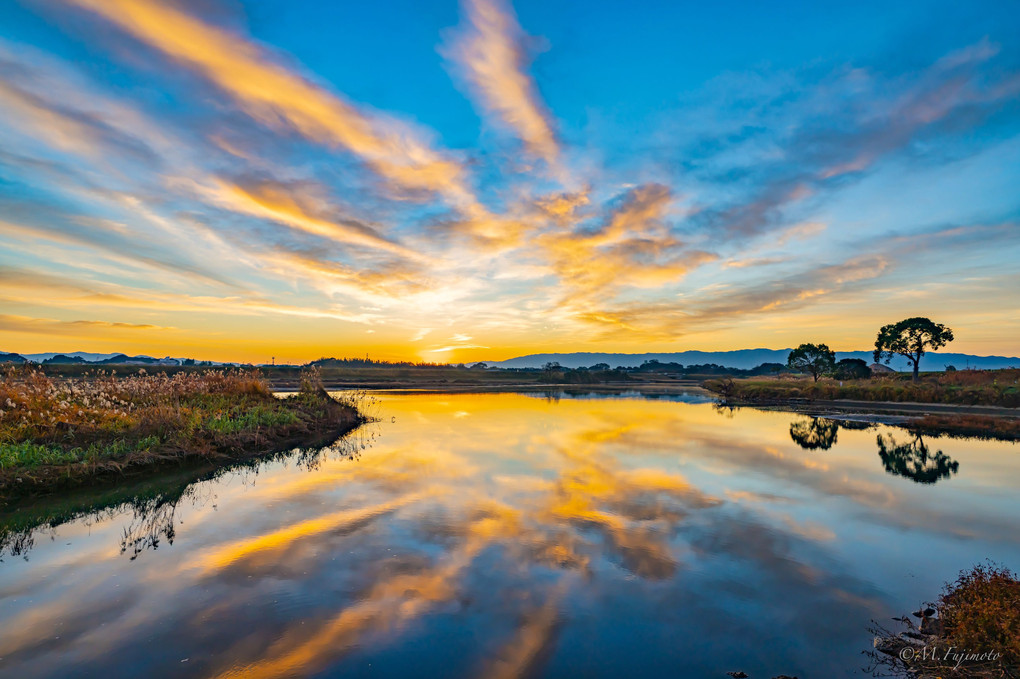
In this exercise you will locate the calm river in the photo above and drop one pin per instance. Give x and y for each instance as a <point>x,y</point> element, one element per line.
<point>508,535</point>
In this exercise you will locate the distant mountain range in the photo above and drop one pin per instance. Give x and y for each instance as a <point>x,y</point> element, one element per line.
<point>746,359</point>
<point>743,359</point>
<point>85,357</point>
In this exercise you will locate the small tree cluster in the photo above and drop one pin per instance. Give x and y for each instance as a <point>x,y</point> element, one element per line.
<point>911,338</point>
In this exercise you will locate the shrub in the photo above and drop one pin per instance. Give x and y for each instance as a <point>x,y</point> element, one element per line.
<point>975,636</point>
<point>981,611</point>
<point>311,382</point>
<point>852,369</point>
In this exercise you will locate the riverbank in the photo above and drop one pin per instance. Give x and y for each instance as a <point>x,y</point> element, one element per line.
<point>983,404</point>
<point>57,434</point>
<point>995,388</point>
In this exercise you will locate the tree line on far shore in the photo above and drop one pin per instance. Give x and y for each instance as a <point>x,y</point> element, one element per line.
<point>910,338</point>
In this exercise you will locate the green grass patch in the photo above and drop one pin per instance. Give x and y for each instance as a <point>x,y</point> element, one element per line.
<point>30,455</point>
<point>27,455</point>
<point>241,419</point>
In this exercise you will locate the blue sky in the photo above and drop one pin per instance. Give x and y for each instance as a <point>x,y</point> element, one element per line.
<point>463,181</point>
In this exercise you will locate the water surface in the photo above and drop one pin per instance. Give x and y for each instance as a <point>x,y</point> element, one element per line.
<point>506,535</point>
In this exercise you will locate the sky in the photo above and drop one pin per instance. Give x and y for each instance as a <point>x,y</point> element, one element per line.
<point>443,182</point>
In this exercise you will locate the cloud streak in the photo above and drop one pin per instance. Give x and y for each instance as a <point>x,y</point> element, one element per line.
<point>281,99</point>
<point>26,324</point>
<point>240,186</point>
<point>491,56</point>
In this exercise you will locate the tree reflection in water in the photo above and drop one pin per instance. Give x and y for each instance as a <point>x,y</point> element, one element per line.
<point>154,521</point>
<point>914,461</point>
<point>154,502</point>
<point>816,433</point>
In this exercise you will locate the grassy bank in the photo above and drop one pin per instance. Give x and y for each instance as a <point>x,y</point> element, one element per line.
<point>978,426</point>
<point>962,387</point>
<point>65,432</point>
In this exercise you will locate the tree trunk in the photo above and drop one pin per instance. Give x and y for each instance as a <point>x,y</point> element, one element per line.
<point>917,362</point>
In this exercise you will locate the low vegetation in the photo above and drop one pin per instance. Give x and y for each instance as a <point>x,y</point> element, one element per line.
<point>348,373</point>
<point>960,387</point>
<point>982,609</point>
<point>977,426</point>
<point>55,432</point>
<point>971,631</point>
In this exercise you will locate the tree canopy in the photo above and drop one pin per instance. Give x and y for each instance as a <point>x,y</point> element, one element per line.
<point>815,359</point>
<point>852,369</point>
<point>911,338</point>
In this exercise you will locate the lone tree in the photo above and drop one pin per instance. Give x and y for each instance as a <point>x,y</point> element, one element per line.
<point>816,359</point>
<point>911,338</point>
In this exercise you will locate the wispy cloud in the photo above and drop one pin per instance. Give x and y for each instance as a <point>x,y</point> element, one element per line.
<point>671,319</point>
<point>490,53</point>
<point>301,207</point>
<point>282,99</point>
<point>632,246</point>
<point>240,187</point>
<point>26,324</point>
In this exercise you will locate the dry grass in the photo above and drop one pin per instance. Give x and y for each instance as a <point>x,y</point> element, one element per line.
<point>973,634</point>
<point>978,426</point>
<point>962,387</point>
<point>981,611</point>
<point>87,424</point>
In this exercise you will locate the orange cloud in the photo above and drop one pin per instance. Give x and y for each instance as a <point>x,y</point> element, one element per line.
<point>632,248</point>
<point>562,207</point>
<point>297,208</point>
<point>26,324</point>
<point>493,61</point>
<point>281,99</point>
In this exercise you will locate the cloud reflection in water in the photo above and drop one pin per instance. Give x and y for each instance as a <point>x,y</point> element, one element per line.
<point>593,536</point>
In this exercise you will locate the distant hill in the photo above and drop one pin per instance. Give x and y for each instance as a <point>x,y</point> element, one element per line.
<point>124,359</point>
<point>61,359</point>
<point>743,359</point>
<point>116,358</point>
<point>746,359</point>
<point>88,357</point>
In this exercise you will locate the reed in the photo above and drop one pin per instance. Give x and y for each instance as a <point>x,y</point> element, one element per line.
<point>72,428</point>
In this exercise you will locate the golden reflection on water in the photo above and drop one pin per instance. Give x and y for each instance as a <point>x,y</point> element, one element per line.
<point>536,527</point>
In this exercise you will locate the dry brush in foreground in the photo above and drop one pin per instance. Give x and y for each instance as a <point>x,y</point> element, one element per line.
<point>63,432</point>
